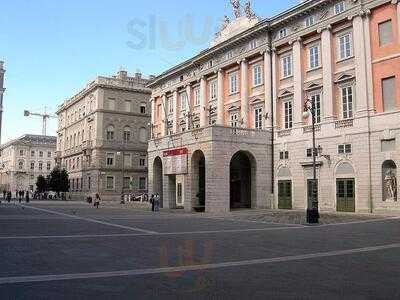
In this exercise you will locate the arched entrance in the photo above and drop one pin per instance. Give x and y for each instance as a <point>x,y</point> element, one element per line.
<point>198,181</point>
<point>158,178</point>
<point>242,180</point>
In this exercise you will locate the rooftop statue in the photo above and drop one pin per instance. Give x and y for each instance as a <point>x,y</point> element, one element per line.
<point>236,8</point>
<point>248,11</point>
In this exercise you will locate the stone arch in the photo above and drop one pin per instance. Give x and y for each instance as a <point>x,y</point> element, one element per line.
<point>284,172</point>
<point>198,180</point>
<point>344,168</point>
<point>242,180</point>
<point>158,178</point>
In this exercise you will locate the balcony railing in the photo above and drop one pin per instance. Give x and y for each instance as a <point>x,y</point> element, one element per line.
<point>285,132</point>
<point>308,129</point>
<point>344,123</point>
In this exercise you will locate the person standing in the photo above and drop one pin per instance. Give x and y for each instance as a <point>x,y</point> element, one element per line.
<point>157,203</point>
<point>152,202</point>
<point>9,196</point>
<point>97,201</point>
<point>27,196</point>
<point>4,195</point>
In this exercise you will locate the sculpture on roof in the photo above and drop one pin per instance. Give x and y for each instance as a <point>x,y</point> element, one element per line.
<point>236,8</point>
<point>225,22</point>
<point>248,11</point>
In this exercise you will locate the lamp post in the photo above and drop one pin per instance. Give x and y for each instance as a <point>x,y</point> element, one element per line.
<point>123,171</point>
<point>312,208</point>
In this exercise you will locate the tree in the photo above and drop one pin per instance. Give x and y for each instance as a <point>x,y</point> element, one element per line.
<point>41,184</point>
<point>59,180</point>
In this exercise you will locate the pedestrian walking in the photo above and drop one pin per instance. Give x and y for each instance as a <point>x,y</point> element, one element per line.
<point>9,196</point>
<point>27,196</point>
<point>97,201</point>
<point>152,202</point>
<point>157,203</point>
<point>4,195</point>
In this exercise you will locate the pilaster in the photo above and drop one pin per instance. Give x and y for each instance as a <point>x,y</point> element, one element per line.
<point>203,102</point>
<point>274,86</point>
<point>267,86</point>
<point>188,107</point>
<point>244,93</point>
<point>164,118</point>
<point>361,100</point>
<point>298,83</point>
<point>175,116</point>
<point>368,62</point>
<point>327,72</point>
<point>220,100</point>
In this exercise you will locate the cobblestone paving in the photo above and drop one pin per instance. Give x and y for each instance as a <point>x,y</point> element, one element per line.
<point>296,217</point>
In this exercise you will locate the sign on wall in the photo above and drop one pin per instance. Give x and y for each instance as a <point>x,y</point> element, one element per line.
<point>176,161</point>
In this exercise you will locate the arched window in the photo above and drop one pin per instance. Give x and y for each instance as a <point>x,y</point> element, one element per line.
<point>143,135</point>
<point>127,134</point>
<point>344,169</point>
<point>284,172</point>
<point>110,133</point>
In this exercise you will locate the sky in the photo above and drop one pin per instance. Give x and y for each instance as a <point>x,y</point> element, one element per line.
<point>51,49</point>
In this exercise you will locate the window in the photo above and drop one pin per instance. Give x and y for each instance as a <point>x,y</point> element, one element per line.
<point>339,7</point>
<point>110,133</point>
<point>40,166</point>
<point>170,102</point>
<point>128,105</point>
<point>385,33</point>
<point>314,57</point>
<point>142,183</point>
<point>316,100</point>
<point>48,167</point>
<point>33,152</point>
<point>110,159</point>
<point>213,90</point>
<point>253,44</point>
<point>282,33</point>
<point>49,154</point>
<point>21,165</point>
<point>257,75</point>
<point>288,114</point>
<point>258,118</point>
<point>126,183</point>
<point>310,21</point>
<point>32,166</point>
<point>345,47</point>
<point>309,152</point>
<point>40,153</point>
<point>183,101</point>
<point>110,183</point>
<point>21,152</point>
<point>233,84</point>
<point>127,134</point>
<point>284,155</point>
<point>143,108</point>
<point>347,102</point>
<point>234,119</point>
<point>142,162</point>
<point>127,160</point>
<point>197,97</point>
<point>111,104</point>
<point>344,149</point>
<point>389,93</point>
<point>287,66</point>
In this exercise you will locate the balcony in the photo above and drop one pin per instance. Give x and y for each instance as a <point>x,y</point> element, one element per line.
<point>285,132</point>
<point>308,129</point>
<point>344,123</point>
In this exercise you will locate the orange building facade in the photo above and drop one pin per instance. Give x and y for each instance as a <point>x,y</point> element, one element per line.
<point>227,125</point>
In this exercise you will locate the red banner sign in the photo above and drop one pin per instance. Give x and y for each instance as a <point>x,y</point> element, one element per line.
<point>175,152</point>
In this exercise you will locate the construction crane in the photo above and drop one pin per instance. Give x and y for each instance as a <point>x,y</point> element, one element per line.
<point>45,116</point>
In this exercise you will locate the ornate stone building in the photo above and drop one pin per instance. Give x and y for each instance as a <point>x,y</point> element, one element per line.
<point>102,137</point>
<point>2,90</point>
<point>22,160</point>
<point>228,128</point>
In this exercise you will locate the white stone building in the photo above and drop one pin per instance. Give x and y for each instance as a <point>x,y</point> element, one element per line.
<point>22,160</point>
<point>229,121</point>
<point>102,137</point>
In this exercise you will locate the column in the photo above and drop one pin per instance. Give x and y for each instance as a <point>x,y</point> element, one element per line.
<point>220,100</point>
<point>175,116</point>
<point>189,116</point>
<point>360,66</point>
<point>327,73</point>
<point>267,87</point>
<point>398,17</point>
<point>298,84</point>
<point>203,102</point>
<point>244,93</point>
<point>164,119</point>
<point>274,87</point>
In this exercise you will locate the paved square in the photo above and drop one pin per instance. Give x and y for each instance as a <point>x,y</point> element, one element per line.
<point>74,251</point>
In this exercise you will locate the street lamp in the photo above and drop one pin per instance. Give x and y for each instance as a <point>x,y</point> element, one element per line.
<point>312,208</point>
